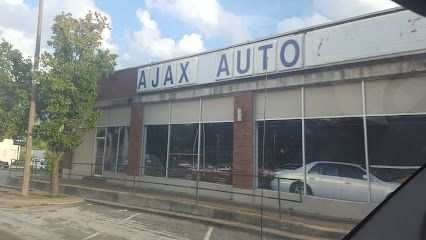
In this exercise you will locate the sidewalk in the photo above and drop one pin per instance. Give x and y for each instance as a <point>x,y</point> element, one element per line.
<point>150,199</point>
<point>11,197</point>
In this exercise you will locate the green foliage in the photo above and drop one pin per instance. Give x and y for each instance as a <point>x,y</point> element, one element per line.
<point>15,89</point>
<point>70,79</point>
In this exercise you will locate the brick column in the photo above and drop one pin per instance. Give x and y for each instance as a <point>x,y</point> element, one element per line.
<point>68,160</point>
<point>135,139</point>
<point>243,141</point>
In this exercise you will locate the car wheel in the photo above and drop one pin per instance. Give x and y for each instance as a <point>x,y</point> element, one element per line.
<point>299,188</point>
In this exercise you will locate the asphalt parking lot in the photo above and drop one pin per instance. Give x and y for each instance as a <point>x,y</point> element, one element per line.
<point>88,221</point>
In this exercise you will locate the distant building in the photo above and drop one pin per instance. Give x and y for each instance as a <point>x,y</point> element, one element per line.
<point>9,151</point>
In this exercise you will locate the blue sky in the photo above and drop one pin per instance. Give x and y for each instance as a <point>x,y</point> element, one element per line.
<point>152,30</point>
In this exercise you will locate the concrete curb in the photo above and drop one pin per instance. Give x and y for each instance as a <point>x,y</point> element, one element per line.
<point>213,222</point>
<point>184,207</point>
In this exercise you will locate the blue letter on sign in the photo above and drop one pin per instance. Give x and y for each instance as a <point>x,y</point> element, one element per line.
<point>169,76</point>
<point>296,53</point>
<point>223,66</point>
<point>264,49</point>
<point>183,72</point>
<point>157,80</point>
<point>142,80</point>
<point>242,71</point>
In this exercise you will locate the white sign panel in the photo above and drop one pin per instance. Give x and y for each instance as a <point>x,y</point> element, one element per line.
<point>265,57</point>
<point>155,77</point>
<point>391,33</point>
<point>289,53</point>
<point>243,61</point>
<point>383,35</point>
<point>224,64</point>
<point>169,75</point>
<point>186,71</point>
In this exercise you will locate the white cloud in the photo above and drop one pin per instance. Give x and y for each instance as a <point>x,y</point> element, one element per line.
<point>13,2</point>
<point>149,42</point>
<point>338,9</point>
<point>18,21</point>
<point>294,23</point>
<point>207,15</point>
<point>334,10</point>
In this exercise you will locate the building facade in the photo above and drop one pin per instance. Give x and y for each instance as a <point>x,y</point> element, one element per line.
<point>336,112</point>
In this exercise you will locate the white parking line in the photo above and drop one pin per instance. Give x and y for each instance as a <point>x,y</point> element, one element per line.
<point>120,222</point>
<point>208,234</point>
<point>127,219</point>
<point>92,236</point>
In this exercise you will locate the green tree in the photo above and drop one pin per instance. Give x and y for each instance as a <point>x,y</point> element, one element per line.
<point>15,85</point>
<point>69,84</point>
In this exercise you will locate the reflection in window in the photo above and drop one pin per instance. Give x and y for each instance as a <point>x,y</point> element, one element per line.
<point>397,147</point>
<point>283,148</point>
<point>111,149</point>
<point>156,150</point>
<point>183,151</point>
<point>338,140</point>
<point>216,153</point>
<point>123,146</point>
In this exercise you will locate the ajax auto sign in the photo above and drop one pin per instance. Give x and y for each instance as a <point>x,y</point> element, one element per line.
<point>279,54</point>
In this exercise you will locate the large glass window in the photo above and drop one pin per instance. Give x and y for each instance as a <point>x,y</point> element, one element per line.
<point>156,150</point>
<point>123,146</point>
<point>397,147</point>
<point>111,149</point>
<point>216,153</point>
<point>183,151</point>
<point>283,150</point>
<point>335,159</point>
<point>100,150</point>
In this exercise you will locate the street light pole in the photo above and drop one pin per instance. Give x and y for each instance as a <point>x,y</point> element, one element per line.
<point>27,165</point>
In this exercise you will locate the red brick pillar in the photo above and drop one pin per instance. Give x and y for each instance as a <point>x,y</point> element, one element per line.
<point>243,164</point>
<point>67,160</point>
<point>135,139</point>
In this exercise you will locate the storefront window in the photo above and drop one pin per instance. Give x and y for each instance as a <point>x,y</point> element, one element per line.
<point>397,147</point>
<point>216,153</point>
<point>335,159</point>
<point>99,155</point>
<point>283,150</point>
<point>123,146</point>
<point>156,150</point>
<point>183,151</point>
<point>111,149</point>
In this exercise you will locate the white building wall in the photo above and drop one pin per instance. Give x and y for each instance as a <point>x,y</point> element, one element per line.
<point>8,151</point>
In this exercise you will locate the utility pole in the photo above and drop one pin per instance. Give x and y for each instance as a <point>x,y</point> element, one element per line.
<point>27,165</point>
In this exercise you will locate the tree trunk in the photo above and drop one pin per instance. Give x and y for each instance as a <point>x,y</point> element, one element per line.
<point>54,179</point>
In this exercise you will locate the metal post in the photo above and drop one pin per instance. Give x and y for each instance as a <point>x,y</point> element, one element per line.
<point>196,188</point>
<point>169,129</point>
<point>364,122</point>
<point>198,154</point>
<point>279,198</point>
<point>134,183</point>
<point>303,141</point>
<point>31,116</point>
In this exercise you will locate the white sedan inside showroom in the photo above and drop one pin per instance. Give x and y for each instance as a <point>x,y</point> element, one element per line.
<point>333,180</point>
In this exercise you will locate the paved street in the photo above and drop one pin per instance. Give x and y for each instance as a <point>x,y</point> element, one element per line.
<point>88,221</point>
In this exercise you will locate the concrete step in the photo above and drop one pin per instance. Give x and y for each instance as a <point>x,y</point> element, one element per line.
<point>300,229</point>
